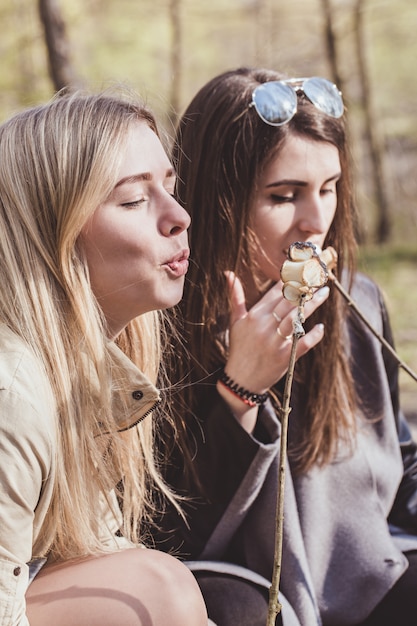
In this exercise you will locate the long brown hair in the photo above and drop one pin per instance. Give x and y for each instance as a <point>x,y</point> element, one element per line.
<point>221,148</point>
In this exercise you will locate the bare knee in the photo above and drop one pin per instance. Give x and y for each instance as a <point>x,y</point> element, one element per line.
<point>134,587</point>
<point>177,590</point>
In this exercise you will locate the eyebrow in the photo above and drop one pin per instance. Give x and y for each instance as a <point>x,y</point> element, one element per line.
<point>137,178</point>
<point>300,183</point>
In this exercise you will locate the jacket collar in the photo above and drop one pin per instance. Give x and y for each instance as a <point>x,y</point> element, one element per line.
<point>132,406</point>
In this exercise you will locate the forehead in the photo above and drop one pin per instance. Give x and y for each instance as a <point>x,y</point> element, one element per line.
<point>306,156</point>
<point>144,151</point>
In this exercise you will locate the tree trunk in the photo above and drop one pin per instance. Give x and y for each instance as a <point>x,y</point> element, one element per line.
<point>176,58</point>
<point>331,40</point>
<point>383,227</point>
<point>331,47</point>
<point>61,70</point>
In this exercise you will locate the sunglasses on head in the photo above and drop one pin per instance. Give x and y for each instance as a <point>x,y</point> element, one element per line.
<point>276,101</point>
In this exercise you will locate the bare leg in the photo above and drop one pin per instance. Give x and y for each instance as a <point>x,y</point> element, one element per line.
<point>136,587</point>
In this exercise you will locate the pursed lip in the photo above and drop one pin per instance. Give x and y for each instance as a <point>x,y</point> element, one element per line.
<point>181,256</point>
<point>179,263</point>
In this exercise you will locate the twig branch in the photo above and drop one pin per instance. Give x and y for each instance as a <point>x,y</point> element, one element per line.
<point>274,606</point>
<point>384,342</point>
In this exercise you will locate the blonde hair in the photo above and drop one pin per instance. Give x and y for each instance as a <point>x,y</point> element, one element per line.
<point>58,162</point>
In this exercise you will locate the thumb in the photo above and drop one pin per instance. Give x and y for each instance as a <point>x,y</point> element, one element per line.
<point>237,297</point>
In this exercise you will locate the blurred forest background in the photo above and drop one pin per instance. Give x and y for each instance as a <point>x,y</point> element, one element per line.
<point>167,49</point>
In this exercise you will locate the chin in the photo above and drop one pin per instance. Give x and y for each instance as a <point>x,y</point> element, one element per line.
<point>169,302</point>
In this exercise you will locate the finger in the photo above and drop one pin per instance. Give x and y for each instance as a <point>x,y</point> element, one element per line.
<point>287,322</point>
<point>237,297</point>
<point>272,297</point>
<point>311,339</point>
<point>317,300</point>
<point>273,301</point>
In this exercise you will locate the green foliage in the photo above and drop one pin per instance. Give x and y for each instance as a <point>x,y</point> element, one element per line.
<point>131,41</point>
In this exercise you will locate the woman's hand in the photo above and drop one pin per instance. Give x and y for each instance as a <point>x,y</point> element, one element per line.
<point>260,342</point>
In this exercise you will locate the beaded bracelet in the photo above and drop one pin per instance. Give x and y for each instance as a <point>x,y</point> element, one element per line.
<point>249,398</point>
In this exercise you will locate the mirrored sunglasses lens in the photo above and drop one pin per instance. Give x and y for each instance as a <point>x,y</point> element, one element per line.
<point>324,95</point>
<point>275,102</point>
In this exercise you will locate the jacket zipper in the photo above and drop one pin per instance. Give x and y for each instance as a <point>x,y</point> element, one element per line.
<point>155,404</point>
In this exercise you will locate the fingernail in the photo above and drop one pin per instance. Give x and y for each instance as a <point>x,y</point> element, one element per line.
<point>323,292</point>
<point>321,327</point>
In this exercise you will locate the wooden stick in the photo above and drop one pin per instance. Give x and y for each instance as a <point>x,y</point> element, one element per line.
<point>274,606</point>
<point>384,342</point>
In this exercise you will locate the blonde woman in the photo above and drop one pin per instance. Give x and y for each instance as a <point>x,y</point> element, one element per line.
<point>92,246</point>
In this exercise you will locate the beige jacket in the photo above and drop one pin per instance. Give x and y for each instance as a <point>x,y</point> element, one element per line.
<point>27,461</point>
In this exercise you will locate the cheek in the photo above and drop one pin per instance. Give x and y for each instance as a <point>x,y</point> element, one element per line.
<point>271,230</point>
<point>113,256</point>
<point>331,213</point>
<point>118,242</point>
<point>270,256</point>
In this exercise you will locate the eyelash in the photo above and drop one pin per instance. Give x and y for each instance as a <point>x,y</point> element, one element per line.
<point>284,199</point>
<point>135,203</point>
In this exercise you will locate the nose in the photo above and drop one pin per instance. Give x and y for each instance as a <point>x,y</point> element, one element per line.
<point>175,218</point>
<point>313,219</point>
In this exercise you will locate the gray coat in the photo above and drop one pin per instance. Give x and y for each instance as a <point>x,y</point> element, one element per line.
<point>341,553</point>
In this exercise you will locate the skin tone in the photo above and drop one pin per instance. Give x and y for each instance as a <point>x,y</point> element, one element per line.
<point>296,201</point>
<point>137,252</point>
<point>137,587</point>
<point>136,241</point>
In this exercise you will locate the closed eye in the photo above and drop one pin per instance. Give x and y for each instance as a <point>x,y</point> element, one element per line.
<point>134,203</point>
<point>326,191</point>
<point>276,199</point>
